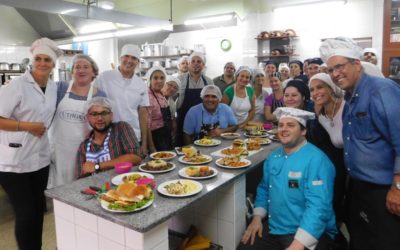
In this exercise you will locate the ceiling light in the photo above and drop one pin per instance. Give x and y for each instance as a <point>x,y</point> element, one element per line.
<point>93,37</point>
<point>108,5</point>
<point>93,28</point>
<point>129,32</point>
<point>312,2</point>
<point>210,19</point>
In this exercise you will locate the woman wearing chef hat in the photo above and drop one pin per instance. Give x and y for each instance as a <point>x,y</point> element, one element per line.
<point>27,107</point>
<point>70,126</point>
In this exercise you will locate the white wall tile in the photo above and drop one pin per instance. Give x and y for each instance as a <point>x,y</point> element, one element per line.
<point>63,210</point>
<point>65,231</point>
<point>85,220</point>
<point>111,231</point>
<point>133,239</point>
<point>85,239</point>
<point>162,246</point>
<point>226,235</point>
<point>148,240</point>
<point>226,207</point>
<point>106,244</point>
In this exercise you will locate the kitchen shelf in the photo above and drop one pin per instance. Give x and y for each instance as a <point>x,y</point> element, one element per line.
<point>276,37</point>
<point>271,56</point>
<point>166,56</point>
<point>72,52</point>
<point>282,43</point>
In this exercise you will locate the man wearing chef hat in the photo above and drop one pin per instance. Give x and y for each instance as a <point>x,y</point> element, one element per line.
<point>296,192</point>
<point>370,55</point>
<point>189,92</point>
<point>371,135</point>
<point>128,92</point>
<point>209,118</point>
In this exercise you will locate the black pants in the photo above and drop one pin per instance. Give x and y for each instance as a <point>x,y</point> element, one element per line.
<point>280,242</point>
<point>370,224</point>
<point>162,139</point>
<point>26,194</point>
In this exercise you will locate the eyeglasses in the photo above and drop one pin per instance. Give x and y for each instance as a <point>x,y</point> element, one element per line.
<point>102,114</point>
<point>338,67</point>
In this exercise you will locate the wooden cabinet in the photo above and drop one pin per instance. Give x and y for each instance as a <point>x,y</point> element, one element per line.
<point>280,49</point>
<point>391,40</point>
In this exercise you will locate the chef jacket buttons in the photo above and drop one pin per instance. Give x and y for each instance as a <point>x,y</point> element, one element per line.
<point>348,137</point>
<point>270,186</point>
<point>269,216</point>
<point>345,153</point>
<point>349,123</point>
<point>269,201</point>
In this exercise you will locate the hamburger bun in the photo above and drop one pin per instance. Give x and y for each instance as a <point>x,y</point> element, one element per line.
<point>238,143</point>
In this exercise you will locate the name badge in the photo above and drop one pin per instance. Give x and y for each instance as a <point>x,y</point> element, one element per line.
<point>294,174</point>
<point>317,183</point>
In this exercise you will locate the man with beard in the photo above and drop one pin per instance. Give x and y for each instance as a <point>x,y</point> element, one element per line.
<point>189,91</point>
<point>227,78</point>
<point>108,143</point>
<point>128,93</point>
<point>295,192</point>
<point>371,143</point>
<point>210,118</point>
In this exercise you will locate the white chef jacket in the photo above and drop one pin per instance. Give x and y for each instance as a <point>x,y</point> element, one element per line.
<point>24,101</point>
<point>126,96</point>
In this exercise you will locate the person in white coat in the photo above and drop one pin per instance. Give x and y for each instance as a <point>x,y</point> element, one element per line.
<point>27,107</point>
<point>70,126</point>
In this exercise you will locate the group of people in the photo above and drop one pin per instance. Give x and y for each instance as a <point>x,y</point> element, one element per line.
<point>339,162</point>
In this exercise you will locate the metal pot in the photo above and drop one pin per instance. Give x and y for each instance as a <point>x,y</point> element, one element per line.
<point>4,66</point>
<point>15,66</point>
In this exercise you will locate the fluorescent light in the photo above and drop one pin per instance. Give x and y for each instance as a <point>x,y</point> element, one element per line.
<point>210,19</point>
<point>93,37</point>
<point>108,5</point>
<point>93,28</point>
<point>304,3</point>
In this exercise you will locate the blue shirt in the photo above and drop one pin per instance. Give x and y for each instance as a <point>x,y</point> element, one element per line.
<point>198,115</point>
<point>371,130</point>
<point>297,190</point>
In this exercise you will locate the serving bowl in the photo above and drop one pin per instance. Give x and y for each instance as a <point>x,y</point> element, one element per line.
<point>123,167</point>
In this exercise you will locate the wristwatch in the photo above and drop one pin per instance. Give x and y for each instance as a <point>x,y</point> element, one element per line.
<point>397,185</point>
<point>97,168</point>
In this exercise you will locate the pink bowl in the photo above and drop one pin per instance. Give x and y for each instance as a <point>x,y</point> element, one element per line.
<point>123,167</point>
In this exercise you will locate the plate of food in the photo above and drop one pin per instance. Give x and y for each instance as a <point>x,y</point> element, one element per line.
<point>127,198</point>
<point>180,188</point>
<point>233,162</point>
<point>230,136</point>
<point>198,172</point>
<point>256,133</point>
<point>207,142</point>
<point>179,150</point>
<point>157,166</point>
<point>163,155</point>
<point>274,138</point>
<point>261,141</point>
<point>195,159</point>
<point>273,131</point>
<point>132,177</point>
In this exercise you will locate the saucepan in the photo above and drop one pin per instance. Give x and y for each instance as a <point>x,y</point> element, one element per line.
<point>4,66</point>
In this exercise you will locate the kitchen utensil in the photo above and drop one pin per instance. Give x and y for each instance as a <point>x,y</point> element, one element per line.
<point>4,66</point>
<point>15,66</point>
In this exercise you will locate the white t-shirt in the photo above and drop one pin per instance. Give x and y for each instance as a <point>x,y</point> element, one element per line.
<point>335,132</point>
<point>126,96</point>
<point>24,101</point>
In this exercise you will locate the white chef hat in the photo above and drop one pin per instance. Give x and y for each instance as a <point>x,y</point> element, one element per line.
<point>99,101</point>
<point>337,92</point>
<point>258,71</point>
<point>198,54</point>
<point>130,50</point>
<point>339,46</point>
<point>211,90</point>
<point>372,69</point>
<point>154,69</point>
<point>243,68</point>
<point>283,66</point>
<point>173,81</point>
<point>298,114</point>
<point>47,47</point>
<point>370,50</point>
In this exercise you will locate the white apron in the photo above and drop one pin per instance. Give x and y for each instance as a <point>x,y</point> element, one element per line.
<point>69,129</point>
<point>240,107</point>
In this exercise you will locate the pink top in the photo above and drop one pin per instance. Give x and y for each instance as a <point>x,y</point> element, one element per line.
<point>155,119</point>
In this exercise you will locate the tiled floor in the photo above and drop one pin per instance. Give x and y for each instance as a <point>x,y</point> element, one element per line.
<point>7,238</point>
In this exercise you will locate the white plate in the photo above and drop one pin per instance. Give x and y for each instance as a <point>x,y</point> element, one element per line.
<point>104,205</point>
<point>248,163</point>
<point>215,143</point>
<point>166,158</point>
<point>180,159</point>
<point>273,131</point>
<point>179,149</point>
<point>163,191</point>
<point>230,136</point>
<point>183,174</point>
<point>253,136</point>
<point>267,141</point>
<point>274,138</point>
<point>158,171</point>
<point>118,179</point>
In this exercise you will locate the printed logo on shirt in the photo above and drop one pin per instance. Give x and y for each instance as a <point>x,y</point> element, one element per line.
<point>294,174</point>
<point>72,116</point>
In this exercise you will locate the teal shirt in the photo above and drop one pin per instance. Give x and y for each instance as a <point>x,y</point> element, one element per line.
<point>297,190</point>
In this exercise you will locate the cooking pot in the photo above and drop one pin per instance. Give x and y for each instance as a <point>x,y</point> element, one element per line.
<point>15,66</point>
<point>4,66</point>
